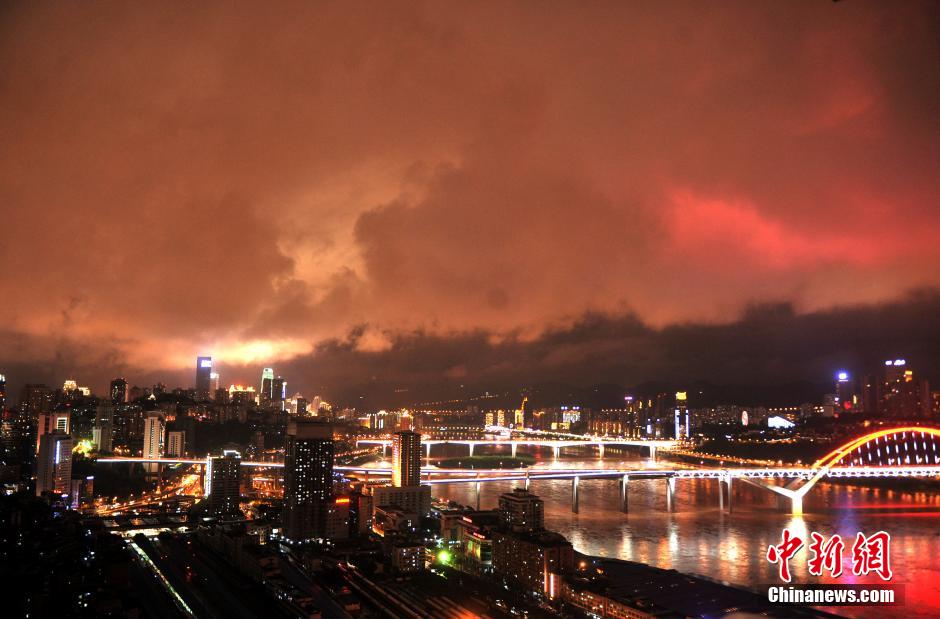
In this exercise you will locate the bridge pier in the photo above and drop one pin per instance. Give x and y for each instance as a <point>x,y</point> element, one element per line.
<point>796,505</point>
<point>670,493</point>
<point>724,482</point>
<point>556,451</point>
<point>527,479</point>
<point>513,449</point>
<point>471,450</point>
<point>385,449</point>
<point>653,453</point>
<point>478,495</point>
<point>600,450</point>
<point>624,482</point>
<point>427,449</point>
<point>574,494</point>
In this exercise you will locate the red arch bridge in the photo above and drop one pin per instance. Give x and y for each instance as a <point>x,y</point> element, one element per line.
<point>904,452</point>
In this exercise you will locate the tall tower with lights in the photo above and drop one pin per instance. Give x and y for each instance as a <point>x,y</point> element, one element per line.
<point>406,459</point>
<point>203,377</point>
<point>308,479</point>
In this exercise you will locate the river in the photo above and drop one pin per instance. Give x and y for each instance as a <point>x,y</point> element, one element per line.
<point>698,538</point>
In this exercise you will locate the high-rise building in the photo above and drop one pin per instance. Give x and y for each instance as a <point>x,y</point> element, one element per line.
<point>279,392</point>
<point>102,434</point>
<point>203,377</point>
<point>308,479</point>
<point>15,429</point>
<point>415,501</point>
<point>534,562</point>
<point>128,425</point>
<point>847,393</point>
<point>266,394</point>
<point>298,405</point>
<point>903,395</point>
<point>521,511</point>
<point>118,391</point>
<point>223,479</point>
<point>406,459</point>
<point>215,380</point>
<point>681,421</point>
<point>176,443</point>
<point>3,392</point>
<point>153,439</point>
<point>524,553</point>
<point>54,465</point>
<point>36,399</point>
<point>871,394</point>
<point>237,394</point>
<point>55,420</point>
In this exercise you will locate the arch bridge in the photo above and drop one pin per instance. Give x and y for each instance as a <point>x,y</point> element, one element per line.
<point>908,451</point>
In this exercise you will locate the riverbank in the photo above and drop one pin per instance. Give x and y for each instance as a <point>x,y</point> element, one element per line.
<point>652,590</point>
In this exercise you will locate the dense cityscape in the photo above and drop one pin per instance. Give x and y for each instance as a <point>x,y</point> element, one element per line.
<point>245,500</point>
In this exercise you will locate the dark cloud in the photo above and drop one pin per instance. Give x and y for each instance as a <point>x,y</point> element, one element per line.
<point>770,346</point>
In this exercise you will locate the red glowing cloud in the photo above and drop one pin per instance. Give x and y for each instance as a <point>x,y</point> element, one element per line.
<point>183,179</point>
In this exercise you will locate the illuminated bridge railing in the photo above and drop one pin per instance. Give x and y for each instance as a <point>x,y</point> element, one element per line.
<point>895,447</point>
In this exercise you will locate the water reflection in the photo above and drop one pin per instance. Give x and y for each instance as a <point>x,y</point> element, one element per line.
<point>699,538</point>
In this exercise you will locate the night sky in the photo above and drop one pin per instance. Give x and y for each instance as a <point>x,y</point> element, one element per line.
<point>424,195</point>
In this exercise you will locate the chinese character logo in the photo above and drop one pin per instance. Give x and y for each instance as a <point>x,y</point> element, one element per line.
<point>825,556</point>
<point>782,553</point>
<point>871,554</point>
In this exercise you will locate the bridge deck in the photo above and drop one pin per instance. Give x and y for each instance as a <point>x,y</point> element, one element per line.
<point>927,470</point>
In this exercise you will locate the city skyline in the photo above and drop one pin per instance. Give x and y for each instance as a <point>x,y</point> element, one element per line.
<point>505,192</point>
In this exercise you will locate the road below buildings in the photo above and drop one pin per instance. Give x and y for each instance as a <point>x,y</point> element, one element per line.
<point>215,588</point>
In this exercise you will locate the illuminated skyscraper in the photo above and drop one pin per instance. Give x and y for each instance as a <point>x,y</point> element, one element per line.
<point>298,405</point>
<point>406,459</point>
<point>279,391</point>
<point>118,391</point>
<point>308,479</point>
<point>681,421</point>
<point>48,422</point>
<point>54,465</point>
<point>203,377</point>
<point>223,487</point>
<point>215,380</point>
<point>153,439</point>
<point>266,394</point>
<point>847,393</point>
